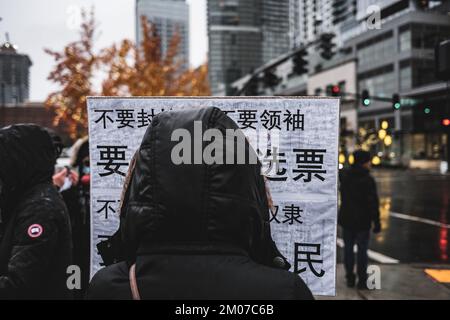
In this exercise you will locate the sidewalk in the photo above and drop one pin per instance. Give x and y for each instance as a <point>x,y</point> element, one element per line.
<point>398,281</point>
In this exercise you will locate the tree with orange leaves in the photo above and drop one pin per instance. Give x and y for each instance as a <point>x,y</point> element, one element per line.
<point>132,69</point>
<point>74,70</point>
<point>150,73</point>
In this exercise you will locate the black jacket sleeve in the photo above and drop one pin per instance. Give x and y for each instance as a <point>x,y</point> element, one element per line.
<point>301,290</point>
<point>373,202</point>
<point>31,252</point>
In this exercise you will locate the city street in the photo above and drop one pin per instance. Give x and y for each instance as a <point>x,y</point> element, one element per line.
<point>154,111</point>
<point>415,217</point>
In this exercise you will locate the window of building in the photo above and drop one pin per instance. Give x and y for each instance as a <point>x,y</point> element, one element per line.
<point>422,72</point>
<point>404,39</point>
<point>426,36</point>
<point>405,75</point>
<point>377,49</point>
<point>233,39</point>
<point>379,82</point>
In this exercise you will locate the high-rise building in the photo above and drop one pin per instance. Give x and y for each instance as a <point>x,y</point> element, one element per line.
<point>278,27</point>
<point>243,34</point>
<point>323,16</point>
<point>169,16</point>
<point>14,75</point>
<point>315,18</point>
<point>234,34</point>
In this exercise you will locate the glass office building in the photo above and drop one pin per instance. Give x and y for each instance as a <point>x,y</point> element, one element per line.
<point>244,34</point>
<point>169,16</point>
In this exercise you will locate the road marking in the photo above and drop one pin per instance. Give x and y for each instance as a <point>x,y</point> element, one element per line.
<point>417,219</point>
<point>376,256</point>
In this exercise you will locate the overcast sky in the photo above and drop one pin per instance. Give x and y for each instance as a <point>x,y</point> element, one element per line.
<point>36,24</point>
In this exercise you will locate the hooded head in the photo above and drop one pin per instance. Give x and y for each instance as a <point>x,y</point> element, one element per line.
<point>361,157</point>
<point>27,158</point>
<point>167,203</point>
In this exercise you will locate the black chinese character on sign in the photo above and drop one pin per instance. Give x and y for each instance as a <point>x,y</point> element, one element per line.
<point>106,207</point>
<point>247,118</point>
<point>309,162</point>
<point>104,243</point>
<point>273,213</point>
<point>112,158</point>
<point>145,118</point>
<point>303,254</point>
<point>228,111</point>
<point>125,118</point>
<point>271,119</point>
<point>275,160</point>
<point>294,121</point>
<point>104,117</point>
<point>292,214</point>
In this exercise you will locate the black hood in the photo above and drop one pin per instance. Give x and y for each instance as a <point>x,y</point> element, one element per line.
<point>27,158</point>
<point>194,203</point>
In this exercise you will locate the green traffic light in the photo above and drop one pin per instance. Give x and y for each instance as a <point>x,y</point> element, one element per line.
<point>366,102</point>
<point>397,105</point>
<point>427,110</point>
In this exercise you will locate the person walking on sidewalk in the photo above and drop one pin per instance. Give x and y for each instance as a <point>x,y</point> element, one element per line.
<point>359,212</point>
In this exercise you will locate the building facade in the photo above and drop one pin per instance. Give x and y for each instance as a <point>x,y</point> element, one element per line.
<point>395,58</point>
<point>14,76</point>
<point>398,59</point>
<point>169,17</point>
<point>279,26</point>
<point>343,75</point>
<point>32,112</point>
<point>244,34</point>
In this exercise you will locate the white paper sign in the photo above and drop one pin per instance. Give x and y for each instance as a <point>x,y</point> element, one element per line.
<point>302,132</point>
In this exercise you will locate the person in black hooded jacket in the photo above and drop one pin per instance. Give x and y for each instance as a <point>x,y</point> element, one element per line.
<point>358,213</point>
<point>194,231</point>
<point>35,236</point>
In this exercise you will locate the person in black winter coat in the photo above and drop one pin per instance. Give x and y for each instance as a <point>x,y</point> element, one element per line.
<point>195,231</point>
<point>35,236</point>
<point>359,212</point>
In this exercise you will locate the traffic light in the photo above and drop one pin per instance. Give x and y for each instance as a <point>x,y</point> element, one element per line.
<point>270,79</point>
<point>365,98</point>
<point>251,88</point>
<point>335,91</point>
<point>446,122</point>
<point>300,65</point>
<point>326,45</point>
<point>396,101</point>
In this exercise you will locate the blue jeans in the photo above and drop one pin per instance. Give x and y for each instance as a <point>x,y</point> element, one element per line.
<point>361,239</point>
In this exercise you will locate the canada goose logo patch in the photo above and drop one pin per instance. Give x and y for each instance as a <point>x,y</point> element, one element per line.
<point>35,230</point>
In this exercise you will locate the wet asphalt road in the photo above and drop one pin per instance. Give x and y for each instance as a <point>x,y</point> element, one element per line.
<point>415,217</point>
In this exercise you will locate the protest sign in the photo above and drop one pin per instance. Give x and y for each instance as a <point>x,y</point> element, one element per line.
<point>296,140</point>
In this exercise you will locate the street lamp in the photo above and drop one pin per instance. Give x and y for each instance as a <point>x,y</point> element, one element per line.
<point>351,159</point>
<point>387,141</point>
<point>382,134</point>
<point>376,160</point>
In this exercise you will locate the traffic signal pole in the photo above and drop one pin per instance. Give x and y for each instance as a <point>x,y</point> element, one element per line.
<point>274,63</point>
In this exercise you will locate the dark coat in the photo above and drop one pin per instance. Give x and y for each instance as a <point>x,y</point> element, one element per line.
<point>195,231</point>
<point>35,247</point>
<point>359,200</point>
